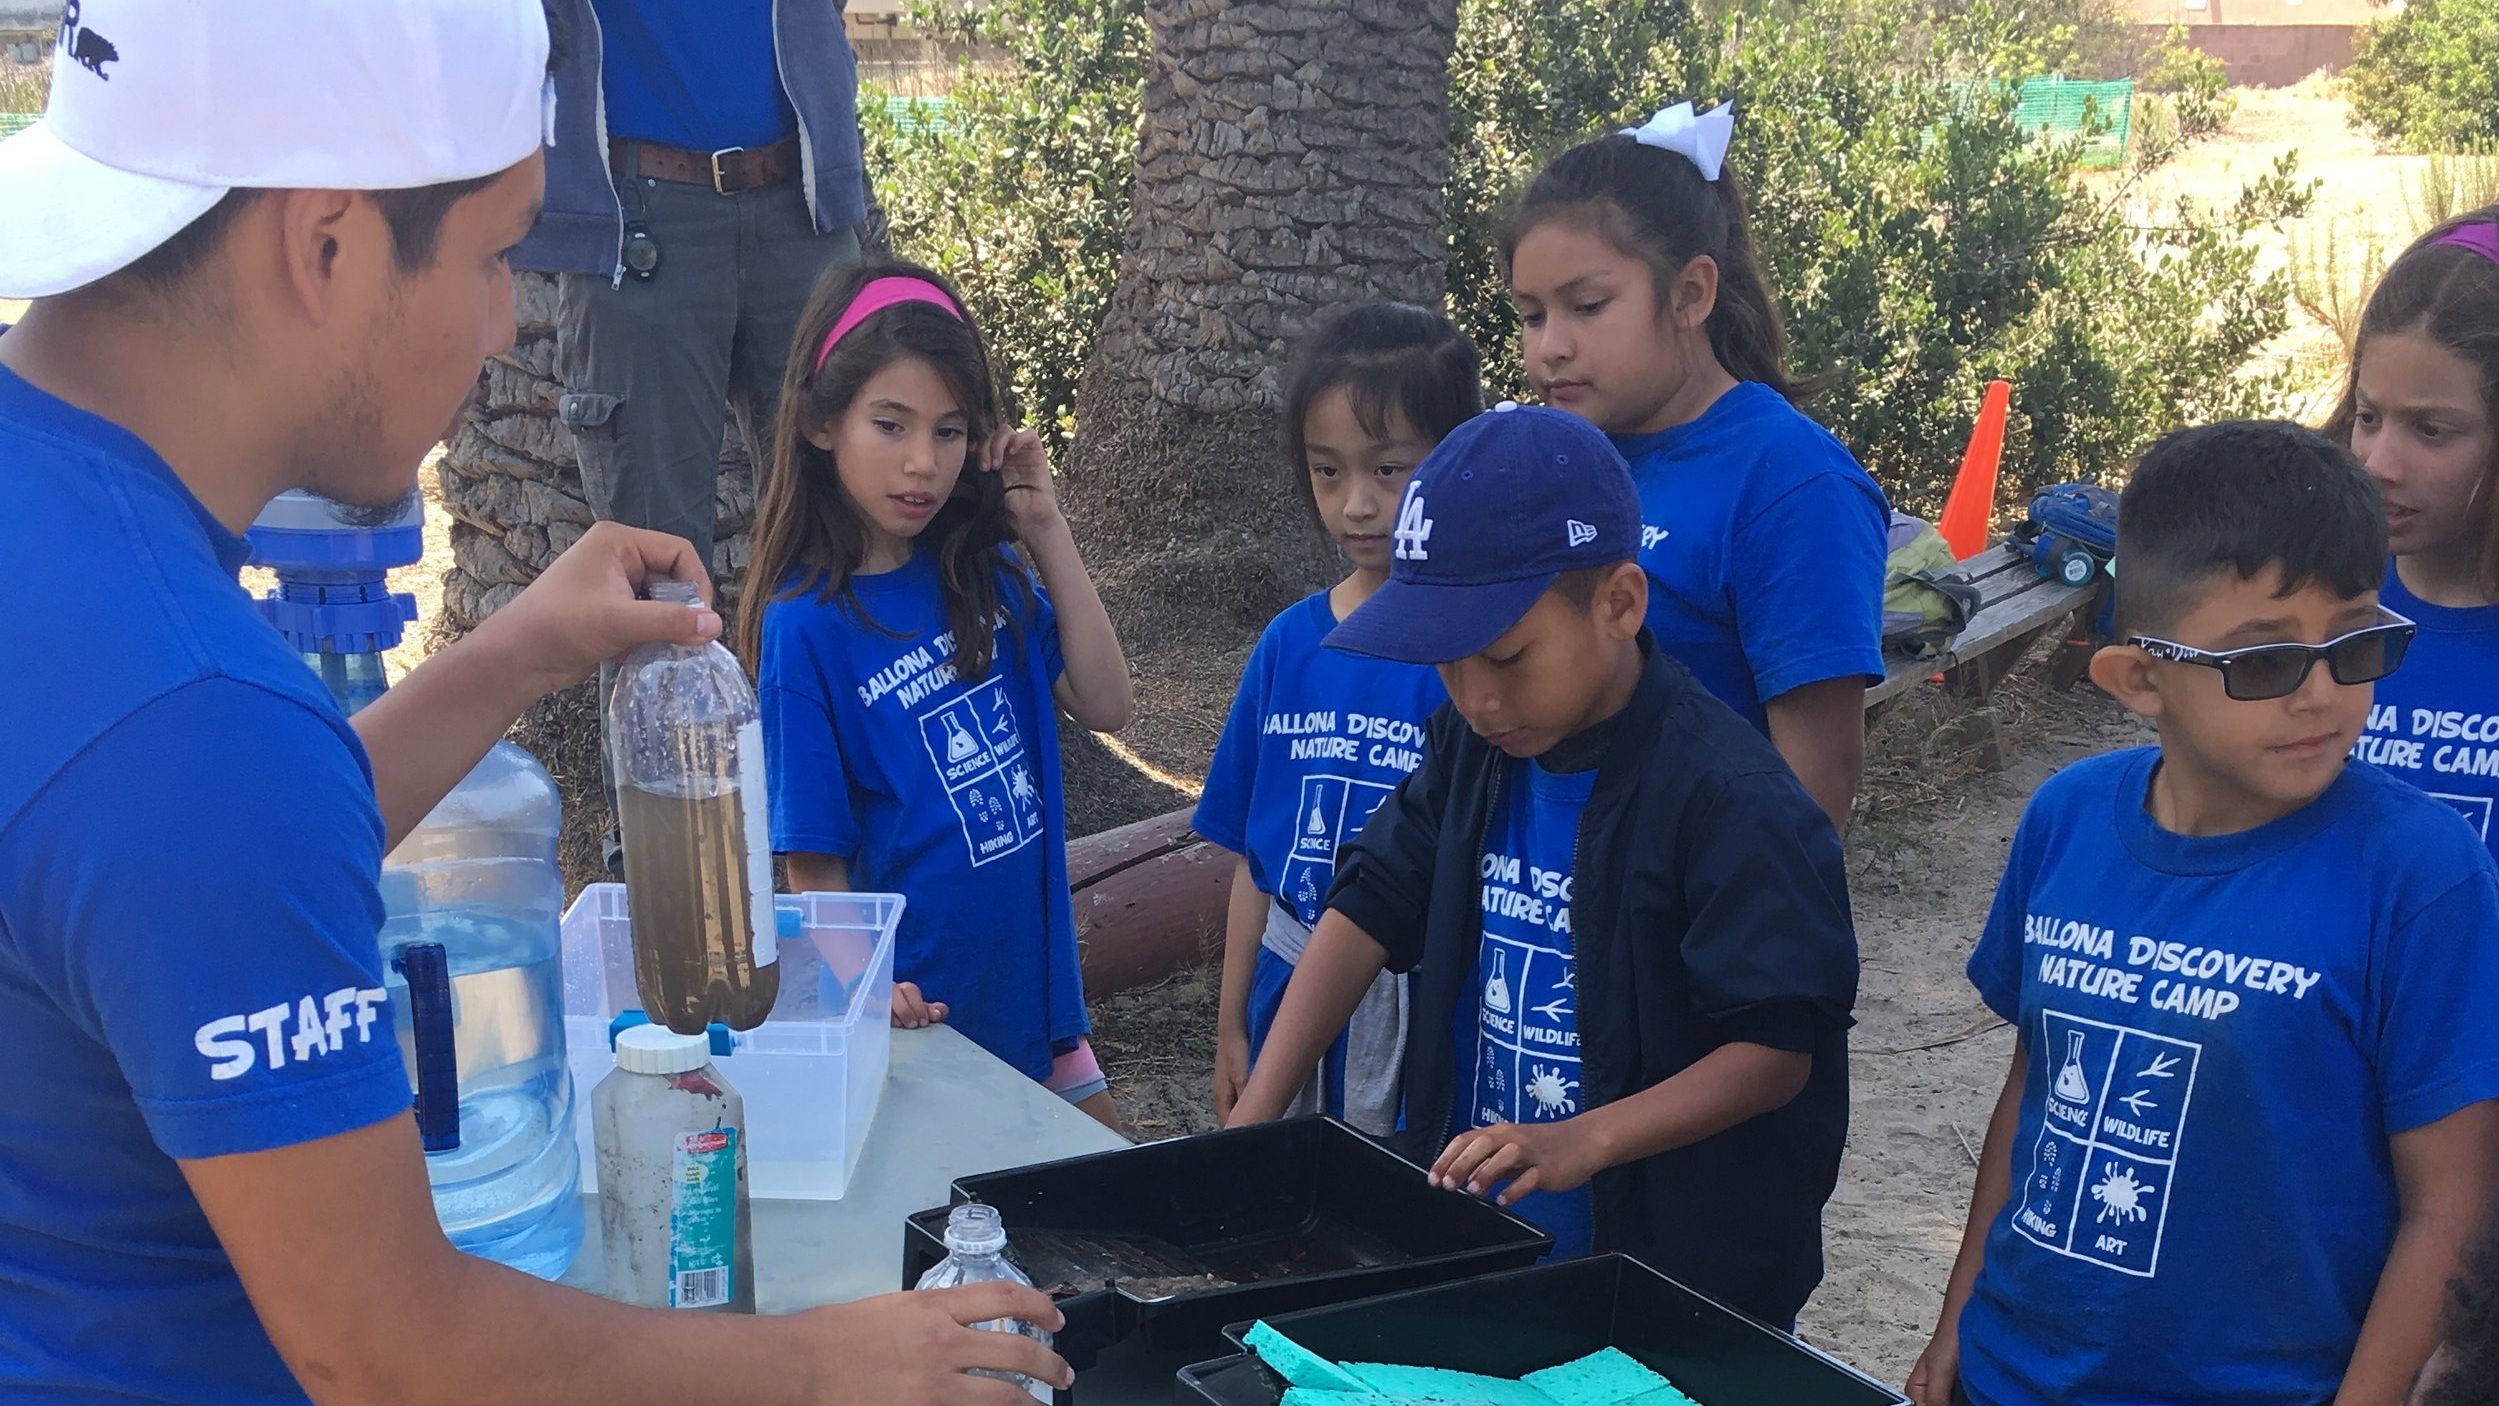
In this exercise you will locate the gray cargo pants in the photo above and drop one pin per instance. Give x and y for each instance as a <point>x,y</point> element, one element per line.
<point>654,367</point>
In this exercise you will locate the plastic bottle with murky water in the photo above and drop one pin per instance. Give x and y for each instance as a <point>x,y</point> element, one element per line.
<point>976,1253</point>
<point>686,745</point>
<point>671,1140</point>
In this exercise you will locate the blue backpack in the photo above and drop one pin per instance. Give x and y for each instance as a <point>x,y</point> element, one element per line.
<point>2071,533</point>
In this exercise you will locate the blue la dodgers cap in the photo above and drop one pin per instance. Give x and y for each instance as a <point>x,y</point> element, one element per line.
<point>1507,503</point>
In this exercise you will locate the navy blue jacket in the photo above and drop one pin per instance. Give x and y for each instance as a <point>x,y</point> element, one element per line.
<point>1709,906</point>
<point>583,228</point>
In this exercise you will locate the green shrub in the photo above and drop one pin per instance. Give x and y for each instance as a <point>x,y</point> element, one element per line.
<point>1020,195</point>
<point>2427,76</point>
<point>1919,242</point>
<point>2195,84</point>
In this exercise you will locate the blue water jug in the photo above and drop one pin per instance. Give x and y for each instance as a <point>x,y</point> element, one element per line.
<point>472,902</point>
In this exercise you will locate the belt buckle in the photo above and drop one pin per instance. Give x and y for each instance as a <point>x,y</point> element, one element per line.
<point>719,177</point>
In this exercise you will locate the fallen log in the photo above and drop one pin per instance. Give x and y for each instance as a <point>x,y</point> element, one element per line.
<point>1149,901</point>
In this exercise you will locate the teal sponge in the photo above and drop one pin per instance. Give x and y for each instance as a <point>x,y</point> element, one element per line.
<point>1298,1365</point>
<point>1316,1396</point>
<point>1436,1386</point>
<point>1607,1378</point>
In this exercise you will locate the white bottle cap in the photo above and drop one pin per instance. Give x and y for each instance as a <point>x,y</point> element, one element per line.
<point>656,1049</point>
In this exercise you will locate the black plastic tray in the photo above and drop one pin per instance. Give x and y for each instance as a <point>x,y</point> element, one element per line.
<point>1293,1214</point>
<point>1508,1325</point>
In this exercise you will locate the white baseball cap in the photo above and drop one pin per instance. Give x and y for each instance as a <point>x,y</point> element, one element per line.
<point>160,107</point>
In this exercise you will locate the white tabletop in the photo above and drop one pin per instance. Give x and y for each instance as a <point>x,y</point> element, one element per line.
<point>949,1110</point>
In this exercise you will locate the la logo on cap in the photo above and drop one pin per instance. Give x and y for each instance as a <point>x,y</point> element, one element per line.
<point>1413,529</point>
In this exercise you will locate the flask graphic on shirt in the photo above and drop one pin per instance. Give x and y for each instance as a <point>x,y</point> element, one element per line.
<point>1497,988</point>
<point>959,744</point>
<point>1318,821</point>
<point>2071,1083</point>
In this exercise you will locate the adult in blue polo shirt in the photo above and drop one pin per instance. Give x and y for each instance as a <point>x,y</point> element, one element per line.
<point>250,276</point>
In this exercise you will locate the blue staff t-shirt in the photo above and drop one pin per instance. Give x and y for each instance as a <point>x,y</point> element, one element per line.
<point>189,852</point>
<point>1765,544</point>
<point>944,791</point>
<point>1316,740</point>
<point>1518,1050</point>
<point>2436,721</point>
<point>702,76</point>
<point>2223,1033</point>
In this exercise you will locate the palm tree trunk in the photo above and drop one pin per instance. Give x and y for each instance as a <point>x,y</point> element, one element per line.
<point>1292,160</point>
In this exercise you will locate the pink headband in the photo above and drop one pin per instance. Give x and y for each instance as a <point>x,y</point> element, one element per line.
<point>2482,239</point>
<point>880,294</point>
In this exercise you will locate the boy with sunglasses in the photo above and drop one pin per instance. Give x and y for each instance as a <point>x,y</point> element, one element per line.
<point>2250,1118</point>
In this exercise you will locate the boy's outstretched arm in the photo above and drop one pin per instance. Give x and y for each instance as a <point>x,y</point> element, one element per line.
<point>1939,1367</point>
<point>1336,968</point>
<point>2444,1172</point>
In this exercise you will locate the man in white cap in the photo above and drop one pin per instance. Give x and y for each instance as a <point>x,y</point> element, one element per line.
<point>266,242</point>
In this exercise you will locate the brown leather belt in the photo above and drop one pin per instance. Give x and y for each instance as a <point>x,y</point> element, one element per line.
<point>728,172</point>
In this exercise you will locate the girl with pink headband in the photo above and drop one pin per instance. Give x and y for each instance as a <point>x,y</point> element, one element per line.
<point>917,616</point>
<point>2421,410</point>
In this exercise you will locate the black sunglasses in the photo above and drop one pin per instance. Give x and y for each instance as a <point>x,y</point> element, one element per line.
<point>2263,671</point>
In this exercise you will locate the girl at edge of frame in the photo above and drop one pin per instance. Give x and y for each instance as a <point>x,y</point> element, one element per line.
<point>1372,389</point>
<point>909,665</point>
<point>2421,412</point>
<point>1642,308</point>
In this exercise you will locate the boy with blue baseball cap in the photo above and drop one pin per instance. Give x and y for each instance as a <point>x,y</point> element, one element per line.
<point>1586,810</point>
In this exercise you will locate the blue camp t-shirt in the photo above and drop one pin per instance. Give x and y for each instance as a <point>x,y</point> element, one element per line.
<point>943,791</point>
<point>1518,1050</point>
<point>701,76</point>
<point>1765,543</point>
<point>2222,1033</point>
<point>2436,721</point>
<point>1316,740</point>
<point>189,851</point>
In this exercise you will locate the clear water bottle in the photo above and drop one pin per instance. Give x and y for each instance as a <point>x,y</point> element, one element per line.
<point>472,902</point>
<point>686,747</point>
<point>671,1138</point>
<point>976,1253</point>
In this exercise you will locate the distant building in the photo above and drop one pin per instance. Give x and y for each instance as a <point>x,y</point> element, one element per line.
<point>27,32</point>
<point>2266,43</point>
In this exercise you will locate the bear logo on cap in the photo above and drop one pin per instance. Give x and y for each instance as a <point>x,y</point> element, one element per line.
<point>86,48</point>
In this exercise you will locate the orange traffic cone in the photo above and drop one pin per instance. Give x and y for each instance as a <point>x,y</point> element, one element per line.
<point>1970,509</point>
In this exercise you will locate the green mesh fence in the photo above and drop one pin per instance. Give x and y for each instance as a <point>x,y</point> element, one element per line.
<point>920,114</point>
<point>2100,113</point>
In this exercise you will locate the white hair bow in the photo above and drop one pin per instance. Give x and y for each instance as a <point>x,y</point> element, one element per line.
<point>1701,140</point>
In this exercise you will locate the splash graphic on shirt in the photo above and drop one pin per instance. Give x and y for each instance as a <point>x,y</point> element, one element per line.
<point>2100,1174</point>
<point>979,754</point>
<point>2427,743</point>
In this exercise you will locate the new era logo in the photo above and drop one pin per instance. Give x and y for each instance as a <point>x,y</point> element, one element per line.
<point>1413,530</point>
<point>1581,534</point>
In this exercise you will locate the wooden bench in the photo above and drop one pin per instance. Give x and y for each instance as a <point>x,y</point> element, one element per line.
<point>2015,606</point>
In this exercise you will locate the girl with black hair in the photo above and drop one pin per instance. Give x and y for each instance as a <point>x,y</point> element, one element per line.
<point>910,667</point>
<point>1317,737</point>
<point>1642,308</point>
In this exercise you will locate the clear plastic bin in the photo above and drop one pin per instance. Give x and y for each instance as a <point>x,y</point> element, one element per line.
<point>810,1074</point>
